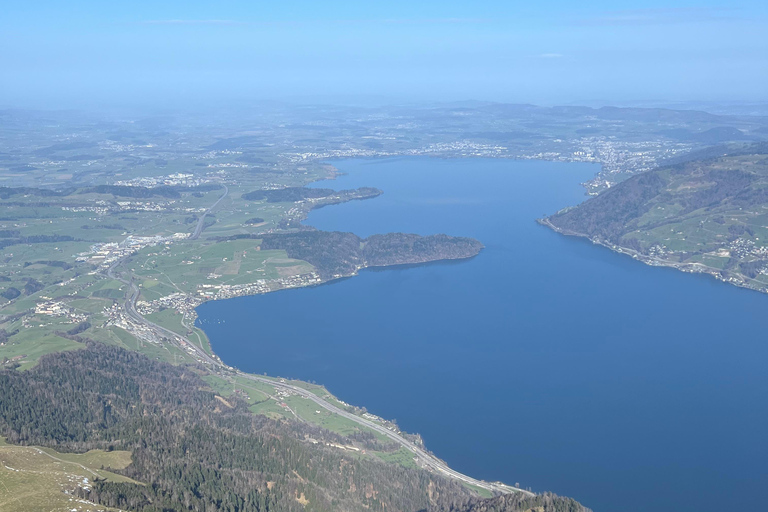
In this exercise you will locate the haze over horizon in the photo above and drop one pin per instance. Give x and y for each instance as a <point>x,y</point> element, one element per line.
<point>436,256</point>
<point>90,54</point>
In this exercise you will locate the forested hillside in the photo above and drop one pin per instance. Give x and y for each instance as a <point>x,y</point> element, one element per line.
<point>194,451</point>
<point>293,194</point>
<point>336,254</point>
<point>705,214</point>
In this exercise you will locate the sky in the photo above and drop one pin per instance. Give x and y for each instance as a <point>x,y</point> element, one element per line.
<point>87,53</point>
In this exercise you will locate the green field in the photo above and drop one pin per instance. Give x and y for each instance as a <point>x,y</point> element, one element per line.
<point>704,215</point>
<point>185,266</point>
<point>401,456</point>
<point>47,232</point>
<point>30,344</point>
<point>48,272</point>
<point>34,479</point>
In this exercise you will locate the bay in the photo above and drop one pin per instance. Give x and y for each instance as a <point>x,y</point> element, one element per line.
<point>545,361</point>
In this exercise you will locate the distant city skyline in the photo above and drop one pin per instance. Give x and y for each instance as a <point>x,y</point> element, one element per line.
<point>89,54</point>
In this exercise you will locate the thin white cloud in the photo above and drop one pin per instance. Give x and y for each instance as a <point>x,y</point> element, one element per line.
<point>551,56</point>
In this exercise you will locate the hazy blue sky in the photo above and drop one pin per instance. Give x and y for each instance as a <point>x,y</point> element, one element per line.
<point>540,51</point>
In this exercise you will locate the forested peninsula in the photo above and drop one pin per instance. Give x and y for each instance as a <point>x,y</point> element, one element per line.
<point>337,254</point>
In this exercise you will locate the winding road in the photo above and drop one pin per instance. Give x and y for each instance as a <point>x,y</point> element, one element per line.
<point>424,458</point>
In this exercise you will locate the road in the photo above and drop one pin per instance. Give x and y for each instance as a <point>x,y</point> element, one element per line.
<point>201,221</point>
<point>424,458</point>
<point>427,460</point>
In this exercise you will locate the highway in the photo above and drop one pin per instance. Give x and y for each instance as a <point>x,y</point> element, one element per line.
<point>427,460</point>
<point>201,221</point>
<point>424,458</point>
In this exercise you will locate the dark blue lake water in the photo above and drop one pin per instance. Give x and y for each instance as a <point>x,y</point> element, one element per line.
<point>545,360</point>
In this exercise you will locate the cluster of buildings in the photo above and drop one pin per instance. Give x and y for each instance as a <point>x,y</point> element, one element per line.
<point>112,145</point>
<point>4,361</point>
<point>456,148</point>
<point>116,316</point>
<point>177,179</point>
<point>228,165</point>
<point>181,302</point>
<point>461,148</point>
<point>99,208</point>
<point>143,206</point>
<point>744,247</point>
<point>227,291</point>
<point>104,208</point>
<point>623,156</point>
<point>210,155</point>
<point>620,157</point>
<point>185,304</point>
<point>658,251</point>
<point>282,393</point>
<point>615,156</point>
<point>104,254</point>
<point>761,252</point>
<point>336,153</point>
<point>57,308</point>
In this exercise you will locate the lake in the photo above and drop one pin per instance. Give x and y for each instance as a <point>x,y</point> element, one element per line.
<point>545,361</point>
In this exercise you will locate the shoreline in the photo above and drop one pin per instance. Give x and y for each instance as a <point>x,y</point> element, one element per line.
<point>426,459</point>
<point>688,268</point>
<point>412,442</point>
<point>217,367</point>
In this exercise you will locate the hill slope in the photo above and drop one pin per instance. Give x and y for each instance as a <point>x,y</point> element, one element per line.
<point>193,450</point>
<point>703,215</point>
